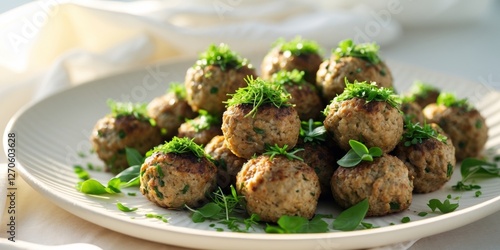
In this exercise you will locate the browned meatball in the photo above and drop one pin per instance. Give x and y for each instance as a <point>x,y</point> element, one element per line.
<point>466,128</point>
<point>320,158</point>
<point>424,93</point>
<point>277,187</point>
<point>202,129</point>
<point>173,180</point>
<point>170,111</point>
<point>111,135</point>
<point>376,123</point>
<point>247,135</point>
<point>331,75</point>
<point>385,182</point>
<point>430,163</point>
<point>277,60</point>
<point>228,164</point>
<point>413,111</point>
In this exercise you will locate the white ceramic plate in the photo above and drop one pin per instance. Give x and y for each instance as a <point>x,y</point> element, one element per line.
<point>53,132</point>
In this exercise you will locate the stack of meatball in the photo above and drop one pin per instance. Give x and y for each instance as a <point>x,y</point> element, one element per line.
<point>277,186</point>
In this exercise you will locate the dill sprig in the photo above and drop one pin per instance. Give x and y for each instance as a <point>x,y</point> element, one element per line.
<point>365,51</point>
<point>180,146</point>
<point>294,77</point>
<point>178,89</point>
<point>369,92</point>
<point>450,100</point>
<point>221,56</point>
<point>297,46</point>
<point>203,121</point>
<point>120,109</point>
<point>312,131</point>
<point>259,92</point>
<point>414,133</point>
<point>272,151</point>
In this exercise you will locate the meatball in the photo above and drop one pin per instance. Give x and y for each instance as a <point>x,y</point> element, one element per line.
<point>424,93</point>
<point>170,111</point>
<point>464,125</point>
<point>208,87</point>
<point>320,158</point>
<point>413,111</point>
<point>384,182</point>
<point>228,164</point>
<point>247,135</point>
<point>277,60</point>
<point>332,73</point>
<point>376,123</point>
<point>304,95</point>
<point>278,186</point>
<point>202,128</point>
<point>430,163</point>
<point>173,180</point>
<point>111,135</point>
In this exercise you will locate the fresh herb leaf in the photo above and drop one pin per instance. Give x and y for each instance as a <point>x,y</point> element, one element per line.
<point>129,173</point>
<point>93,186</point>
<point>368,92</point>
<point>312,131</point>
<point>478,193</point>
<point>178,89</point>
<point>405,219</point>
<point>422,89</point>
<point>450,100</point>
<point>133,156</point>
<point>350,218</point>
<point>444,207</point>
<point>358,153</point>
<point>272,151</point>
<point>81,172</point>
<point>365,51</point>
<point>180,146</point>
<point>221,56</point>
<point>472,168</point>
<point>416,134</point>
<point>259,92</point>
<point>124,208</point>
<point>296,224</point>
<point>203,121</point>
<point>294,77</point>
<point>137,110</point>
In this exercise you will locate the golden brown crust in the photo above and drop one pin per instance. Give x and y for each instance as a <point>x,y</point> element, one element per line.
<point>306,99</point>
<point>228,164</point>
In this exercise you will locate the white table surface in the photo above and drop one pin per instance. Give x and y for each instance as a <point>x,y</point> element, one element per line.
<point>470,51</point>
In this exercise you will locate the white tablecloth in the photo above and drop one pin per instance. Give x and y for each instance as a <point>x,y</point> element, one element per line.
<point>469,50</point>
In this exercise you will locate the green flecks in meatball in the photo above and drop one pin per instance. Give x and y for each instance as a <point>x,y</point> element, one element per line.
<point>158,193</point>
<point>221,56</point>
<point>394,206</point>
<point>259,130</point>
<point>382,72</point>
<point>365,51</point>
<point>297,46</point>
<point>449,170</point>
<point>214,90</point>
<point>185,189</point>
<point>478,124</point>
<point>122,134</point>
<point>462,144</point>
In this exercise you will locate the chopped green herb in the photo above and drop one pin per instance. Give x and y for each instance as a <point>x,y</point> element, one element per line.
<point>444,207</point>
<point>137,110</point>
<point>405,219</point>
<point>272,151</point>
<point>294,77</point>
<point>369,92</point>
<point>422,89</point>
<point>450,100</point>
<point>296,224</point>
<point>394,205</point>
<point>178,89</point>
<point>297,46</point>
<point>367,225</point>
<point>131,194</point>
<point>478,193</point>
<point>460,186</point>
<point>180,146</point>
<point>81,173</point>
<point>312,131</point>
<point>365,51</point>
<point>185,189</point>
<point>350,218</point>
<point>472,168</point>
<point>259,92</point>
<point>93,186</point>
<point>157,216</point>
<point>124,208</point>
<point>203,121</point>
<point>416,134</point>
<point>221,56</point>
<point>422,214</point>
<point>358,152</point>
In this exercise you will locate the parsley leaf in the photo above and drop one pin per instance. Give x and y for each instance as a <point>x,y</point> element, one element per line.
<point>297,46</point>
<point>221,56</point>
<point>444,207</point>
<point>124,208</point>
<point>358,152</point>
<point>365,51</point>
<point>368,92</point>
<point>351,218</point>
<point>297,224</point>
<point>416,134</point>
<point>272,151</point>
<point>312,131</point>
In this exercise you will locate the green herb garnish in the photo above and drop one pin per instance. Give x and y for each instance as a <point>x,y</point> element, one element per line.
<point>405,219</point>
<point>137,110</point>
<point>416,134</point>
<point>178,89</point>
<point>260,92</point>
<point>296,224</point>
<point>351,218</point>
<point>312,131</point>
<point>180,146</point>
<point>124,208</point>
<point>158,217</point>
<point>93,186</point>
<point>294,77</point>
<point>203,121</point>
<point>272,151</point>
<point>450,100</point>
<point>81,172</point>
<point>475,168</point>
<point>444,207</point>
<point>358,152</point>
<point>297,46</point>
<point>422,89</point>
<point>221,56</point>
<point>369,92</point>
<point>365,51</point>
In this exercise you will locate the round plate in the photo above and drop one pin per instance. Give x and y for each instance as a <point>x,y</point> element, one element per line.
<point>53,136</point>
